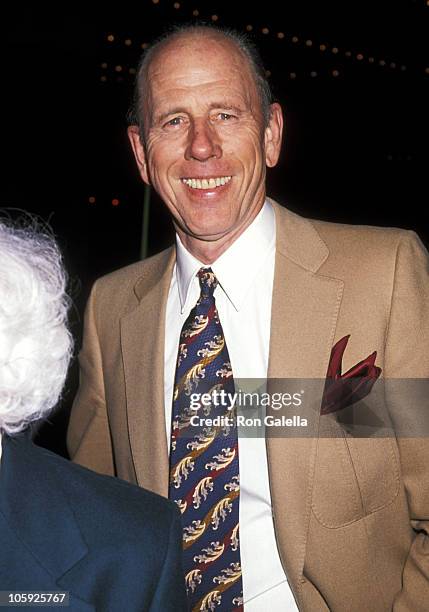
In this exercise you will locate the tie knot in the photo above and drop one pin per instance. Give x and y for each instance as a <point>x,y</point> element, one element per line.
<point>208,282</point>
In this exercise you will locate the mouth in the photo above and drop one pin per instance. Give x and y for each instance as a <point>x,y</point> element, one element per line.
<point>206,183</point>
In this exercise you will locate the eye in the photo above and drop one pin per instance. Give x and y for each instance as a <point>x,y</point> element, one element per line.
<point>226,116</point>
<point>173,122</point>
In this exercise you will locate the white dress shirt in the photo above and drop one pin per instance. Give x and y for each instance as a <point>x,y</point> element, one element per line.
<point>245,273</point>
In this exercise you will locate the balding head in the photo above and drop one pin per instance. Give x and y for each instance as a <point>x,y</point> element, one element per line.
<point>206,36</point>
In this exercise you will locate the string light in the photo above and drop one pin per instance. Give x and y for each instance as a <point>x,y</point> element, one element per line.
<point>176,5</point>
<point>265,30</point>
<point>115,202</point>
<point>91,199</point>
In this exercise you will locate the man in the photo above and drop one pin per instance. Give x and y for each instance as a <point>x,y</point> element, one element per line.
<point>325,524</point>
<point>68,536</point>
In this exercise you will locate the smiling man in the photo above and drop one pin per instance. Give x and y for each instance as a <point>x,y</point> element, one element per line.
<point>206,140</point>
<point>253,291</point>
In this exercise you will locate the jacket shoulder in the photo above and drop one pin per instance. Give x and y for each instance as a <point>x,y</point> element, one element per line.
<point>349,236</point>
<point>106,502</point>
<point>114,293</point>
<point>129,275</point>
<point>370,248</point>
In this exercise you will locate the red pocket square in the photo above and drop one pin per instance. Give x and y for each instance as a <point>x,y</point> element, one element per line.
<point>342,390</point>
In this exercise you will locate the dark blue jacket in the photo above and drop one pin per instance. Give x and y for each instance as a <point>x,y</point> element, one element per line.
<point>113,546</point>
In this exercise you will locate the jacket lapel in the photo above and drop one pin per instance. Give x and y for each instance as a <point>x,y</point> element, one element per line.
<point>142,343</point>
<point>304,313</point>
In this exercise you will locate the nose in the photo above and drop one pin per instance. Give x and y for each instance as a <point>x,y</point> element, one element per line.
<point>203,142</point>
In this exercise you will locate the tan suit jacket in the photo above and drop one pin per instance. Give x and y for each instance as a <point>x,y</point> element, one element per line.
<point>351,515</point>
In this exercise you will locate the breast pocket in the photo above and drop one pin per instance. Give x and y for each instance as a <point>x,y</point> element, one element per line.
<point>353,478</point>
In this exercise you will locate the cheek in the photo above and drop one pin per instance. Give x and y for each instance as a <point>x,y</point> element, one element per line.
<point>160,162</point>
<point>247,150</point>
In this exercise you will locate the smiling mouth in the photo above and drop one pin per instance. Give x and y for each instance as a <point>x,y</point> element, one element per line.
<point>206,183</point>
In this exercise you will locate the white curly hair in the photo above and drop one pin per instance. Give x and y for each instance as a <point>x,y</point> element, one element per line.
<point>35,344</point>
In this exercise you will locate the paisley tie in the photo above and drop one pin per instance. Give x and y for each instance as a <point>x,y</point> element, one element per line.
<point>204,467</point>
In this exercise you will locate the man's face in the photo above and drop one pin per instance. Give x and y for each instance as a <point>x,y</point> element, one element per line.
<point>206,147</point>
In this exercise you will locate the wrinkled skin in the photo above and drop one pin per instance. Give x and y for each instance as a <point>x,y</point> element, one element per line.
<point>203,119</point>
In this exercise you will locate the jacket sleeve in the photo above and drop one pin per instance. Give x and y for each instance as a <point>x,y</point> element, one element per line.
<point>407,358</point>
<point>88,436</point>
<point>170,595</point>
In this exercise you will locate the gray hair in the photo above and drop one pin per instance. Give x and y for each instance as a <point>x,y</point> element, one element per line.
<point>35,344</point>
<point>241,41</point>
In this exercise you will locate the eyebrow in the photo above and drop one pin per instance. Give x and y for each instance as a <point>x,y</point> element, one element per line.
<point>179,109</point>
<point>171,111</point>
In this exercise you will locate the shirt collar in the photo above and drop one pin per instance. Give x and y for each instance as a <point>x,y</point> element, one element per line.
<point>238,266</point>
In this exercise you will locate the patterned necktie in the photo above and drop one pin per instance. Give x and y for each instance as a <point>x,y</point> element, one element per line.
<point>204,468</point>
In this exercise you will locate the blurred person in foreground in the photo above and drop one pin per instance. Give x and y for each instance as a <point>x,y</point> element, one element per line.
<point>111,545</point>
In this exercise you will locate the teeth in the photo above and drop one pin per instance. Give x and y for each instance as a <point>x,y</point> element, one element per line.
<point>209,183</point>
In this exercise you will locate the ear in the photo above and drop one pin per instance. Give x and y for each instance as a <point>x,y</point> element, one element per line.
<point>139,152</point>
<point>273,135</point>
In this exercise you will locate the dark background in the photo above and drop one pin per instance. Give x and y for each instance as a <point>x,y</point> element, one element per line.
<point>356,128</point>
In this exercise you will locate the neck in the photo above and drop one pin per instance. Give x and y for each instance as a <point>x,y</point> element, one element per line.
<point>205,251</point>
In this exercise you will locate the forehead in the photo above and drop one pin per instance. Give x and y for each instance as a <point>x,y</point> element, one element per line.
<point>199,67</point>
